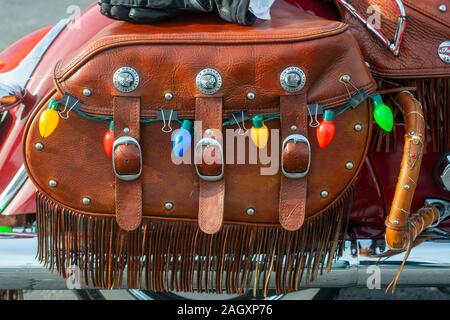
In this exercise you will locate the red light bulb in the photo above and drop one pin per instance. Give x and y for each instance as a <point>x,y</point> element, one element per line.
<point>108,140</point>
<point>326,129</point>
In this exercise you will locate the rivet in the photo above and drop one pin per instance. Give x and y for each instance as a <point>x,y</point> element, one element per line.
<point>324,194</point>
<point>294,128</point>
<point>358,127</point>
<point>349,165</point>
<point>39,146</point>
<point>168,205</point>
<point>87,92</point>
<point>251,212</point>
<point>126,130</point>
<point>86,201</point>
<point>346,78</point>
<point>53,183</point>
<point>251,96</point>
<point>396,222</point>
<point>168,96</point>
<point>208,132</point>
<point>443,8</point>
<point>407,187</point>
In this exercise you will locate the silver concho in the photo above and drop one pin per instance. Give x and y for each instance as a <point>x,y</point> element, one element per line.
<point>293,79</point>
<point>444,51</point>
<point>126,79</point>
<point>209,81</point>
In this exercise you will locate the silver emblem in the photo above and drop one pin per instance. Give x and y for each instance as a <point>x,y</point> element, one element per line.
<point>126,79</point>
<point>444,51</point>
<point>293,79</point>
<point>209,81</point>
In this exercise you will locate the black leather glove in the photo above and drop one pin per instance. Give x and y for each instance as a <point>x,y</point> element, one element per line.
<point>149,11</point>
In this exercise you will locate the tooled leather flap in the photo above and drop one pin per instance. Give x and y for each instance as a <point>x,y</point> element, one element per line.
<point>425,49</point>
<point>168,57</point>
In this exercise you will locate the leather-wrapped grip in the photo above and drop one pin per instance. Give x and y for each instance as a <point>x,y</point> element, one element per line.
<point>400,226</point>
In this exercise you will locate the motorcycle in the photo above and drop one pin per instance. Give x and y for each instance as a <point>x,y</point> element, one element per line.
<point>26,79</point>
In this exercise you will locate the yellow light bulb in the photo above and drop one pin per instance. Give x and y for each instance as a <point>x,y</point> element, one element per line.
<point>259,132</point>
<point>49,119</point>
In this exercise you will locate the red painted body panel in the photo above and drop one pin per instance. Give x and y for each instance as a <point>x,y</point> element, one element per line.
<point>40,85</point>
<point>374,187</point>
<point>14,54</point>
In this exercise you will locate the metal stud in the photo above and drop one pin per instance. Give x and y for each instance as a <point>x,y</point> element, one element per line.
<point>126,130</point>
<point>251,96</point>
<point>346,78</point>
<point>251,212</point>
<point>87,201</point>
<point>407,187</point>
<point>293,79</point>
<point>209,81</point>
<point>358,127</point>
<point>208,132</point>
<point>443,8</point>
<point>168,96</point>
<point>324,194</point>
<point>52,183</point>
<point>349,165</point>
<point>168,205</point>
<point>87,92</point>
<point>294,128</point>
<point>39,146</point>
<point>396,222</point>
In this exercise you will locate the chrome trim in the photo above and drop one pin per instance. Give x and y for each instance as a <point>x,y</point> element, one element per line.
<point>13,188</point>
<point>392,45</point>
<point>444,209</point>
<point>22,74</point>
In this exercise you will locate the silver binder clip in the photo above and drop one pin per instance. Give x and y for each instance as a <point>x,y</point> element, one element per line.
<point>69,103</point>
<point>314,122</point>
<point>240,118</point>
<point>167,116</point>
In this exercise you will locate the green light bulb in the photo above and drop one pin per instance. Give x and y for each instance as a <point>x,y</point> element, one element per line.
<point>382,113</point>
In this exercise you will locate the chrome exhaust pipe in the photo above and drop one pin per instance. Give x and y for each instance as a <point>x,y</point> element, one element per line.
<point>428,265</point>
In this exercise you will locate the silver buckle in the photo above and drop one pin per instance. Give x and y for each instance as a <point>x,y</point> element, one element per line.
<point>207,142</point>
<point>296,138</point>
<point>127,140</point>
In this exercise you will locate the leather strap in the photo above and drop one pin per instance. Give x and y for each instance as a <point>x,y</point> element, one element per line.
<point>295,157</point>
<point>128,194</point>
<point>212,193</point>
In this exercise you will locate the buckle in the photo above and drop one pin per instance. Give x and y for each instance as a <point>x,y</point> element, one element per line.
<point>125,169</point>
<point>296,138</point>
<point>209,142</point>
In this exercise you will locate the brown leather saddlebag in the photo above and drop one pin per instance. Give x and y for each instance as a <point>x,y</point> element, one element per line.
<point>223,225</point>
<point>418,34</point>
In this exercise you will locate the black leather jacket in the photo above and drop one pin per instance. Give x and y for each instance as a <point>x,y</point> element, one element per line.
<point>149,11</point>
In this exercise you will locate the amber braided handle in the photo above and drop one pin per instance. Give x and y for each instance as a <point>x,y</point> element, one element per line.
<point>402,229</point>
<point>397,223</point>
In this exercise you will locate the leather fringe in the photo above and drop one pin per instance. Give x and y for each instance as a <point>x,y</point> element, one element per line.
<point>434,95</point>
<point>167,256</point>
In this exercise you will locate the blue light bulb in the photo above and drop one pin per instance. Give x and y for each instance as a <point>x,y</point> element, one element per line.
<point>182,139</point>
